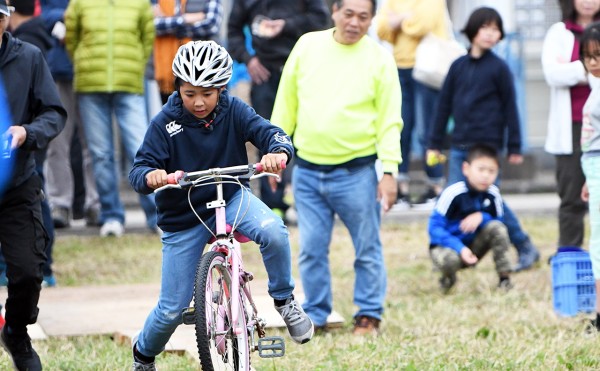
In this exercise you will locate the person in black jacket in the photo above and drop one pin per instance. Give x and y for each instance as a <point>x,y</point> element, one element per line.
<point>25,27</point>
<point>275,25</point>
<point>37,117</point>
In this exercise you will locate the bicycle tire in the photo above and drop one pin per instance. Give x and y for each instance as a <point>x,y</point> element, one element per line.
<point>218,347</point>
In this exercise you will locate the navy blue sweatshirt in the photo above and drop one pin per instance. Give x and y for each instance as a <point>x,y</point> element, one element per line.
<point>176,140</point>
<point>479,94</point>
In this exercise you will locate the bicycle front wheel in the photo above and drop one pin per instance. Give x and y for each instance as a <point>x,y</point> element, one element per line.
<point>219,347</point>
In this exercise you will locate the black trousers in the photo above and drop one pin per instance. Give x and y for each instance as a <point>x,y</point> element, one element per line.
<point>23,241</point>
<point>569,180</point>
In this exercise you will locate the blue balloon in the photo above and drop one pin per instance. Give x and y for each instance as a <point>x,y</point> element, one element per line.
<point>6,155</point>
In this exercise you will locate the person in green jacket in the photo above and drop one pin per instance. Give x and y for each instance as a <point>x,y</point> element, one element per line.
<point>109,43</point>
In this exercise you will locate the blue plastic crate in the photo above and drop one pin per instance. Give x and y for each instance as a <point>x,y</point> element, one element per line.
<point>573,283</point>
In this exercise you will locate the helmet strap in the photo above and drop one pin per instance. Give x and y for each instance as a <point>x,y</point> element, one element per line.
<point>207,122</point>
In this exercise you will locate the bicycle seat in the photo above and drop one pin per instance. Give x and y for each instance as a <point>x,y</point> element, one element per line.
<point>238,236</point>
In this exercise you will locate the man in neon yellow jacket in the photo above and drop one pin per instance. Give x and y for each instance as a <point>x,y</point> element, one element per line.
<point>339,97</point>
<point>109,43</point>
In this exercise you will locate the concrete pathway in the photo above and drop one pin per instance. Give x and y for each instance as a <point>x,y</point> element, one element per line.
<point>121,311</point>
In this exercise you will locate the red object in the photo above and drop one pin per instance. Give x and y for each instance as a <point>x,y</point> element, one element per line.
<point>37,11</point>
<point>259,167</point>
<point>174,177</point>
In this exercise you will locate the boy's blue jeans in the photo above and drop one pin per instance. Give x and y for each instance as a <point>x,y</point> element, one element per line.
<point>352,195</point>
<point>181,254</point>
<point>515,232</point>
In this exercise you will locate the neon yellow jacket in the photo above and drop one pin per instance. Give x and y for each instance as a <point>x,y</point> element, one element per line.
<point>425,16</point>
<point>109,42</point>
<point>340,102</point>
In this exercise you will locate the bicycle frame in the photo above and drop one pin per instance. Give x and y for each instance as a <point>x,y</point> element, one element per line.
<point>226,241</point>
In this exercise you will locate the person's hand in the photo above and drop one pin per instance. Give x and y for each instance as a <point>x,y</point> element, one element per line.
<point>515,159</point>
<point>18,134</point>
<point>585,193</point>
<point>471,222</point>
<point>467,256</point>
<point>272,27</point>
<point>156,178</point>
<point>191,18</point>
<point>395,20</point>
<point>387,192</point>
<point>273,162</point>
<point>257,71</point>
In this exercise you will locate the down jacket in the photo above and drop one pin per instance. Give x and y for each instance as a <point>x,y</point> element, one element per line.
<point>109,42</point>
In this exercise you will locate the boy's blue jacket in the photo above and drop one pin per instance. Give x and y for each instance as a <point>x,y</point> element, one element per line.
<point>455,203</point>
<point>177,140</point>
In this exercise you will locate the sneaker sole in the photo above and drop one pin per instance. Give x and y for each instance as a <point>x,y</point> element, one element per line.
<point>304,339</point>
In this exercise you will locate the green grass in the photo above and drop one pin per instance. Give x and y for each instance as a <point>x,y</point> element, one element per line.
<point>474,328</point>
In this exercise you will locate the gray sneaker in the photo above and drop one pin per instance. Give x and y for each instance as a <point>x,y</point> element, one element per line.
<point>299,325</point>
<point>137,365</point>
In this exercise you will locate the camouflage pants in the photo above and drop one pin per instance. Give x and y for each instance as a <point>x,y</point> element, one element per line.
<point>494,236</point>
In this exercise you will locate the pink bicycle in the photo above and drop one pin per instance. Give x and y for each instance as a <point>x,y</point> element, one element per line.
<point>227,325</point>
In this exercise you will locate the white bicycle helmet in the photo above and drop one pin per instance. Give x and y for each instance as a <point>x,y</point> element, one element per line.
<point>203,63</point>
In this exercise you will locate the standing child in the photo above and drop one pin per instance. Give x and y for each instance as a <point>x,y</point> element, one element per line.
<point>466,222</point>
<point>200,127</point>
<point>589,54</point>
<point>479,93</point>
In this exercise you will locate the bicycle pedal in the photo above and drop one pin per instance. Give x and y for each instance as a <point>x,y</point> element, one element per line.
<point>271,347</point>
<point>188,316</point>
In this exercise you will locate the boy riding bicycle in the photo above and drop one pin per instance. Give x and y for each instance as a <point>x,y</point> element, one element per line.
<point>201,127</point>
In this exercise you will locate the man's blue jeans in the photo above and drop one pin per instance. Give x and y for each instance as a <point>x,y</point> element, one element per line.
<point>352,195</point>
<point>180,256</point>
<point>515,232</point>
<point>96,110</point>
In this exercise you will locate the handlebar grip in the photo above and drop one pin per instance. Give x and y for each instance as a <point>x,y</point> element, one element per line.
<point>259,167</point>
<point>173,178</point>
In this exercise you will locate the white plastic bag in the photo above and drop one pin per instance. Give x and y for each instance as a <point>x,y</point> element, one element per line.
<point>433,58</point>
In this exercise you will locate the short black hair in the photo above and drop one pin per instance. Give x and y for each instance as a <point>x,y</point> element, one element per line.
<point>340,3</point>
<point>23,7</point>
<point>569,13</point>
<point>481,150</point>
<point>590,36</point>
<point>481,17</point>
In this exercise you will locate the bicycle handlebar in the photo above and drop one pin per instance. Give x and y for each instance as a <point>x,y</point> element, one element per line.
<point>181,179</point>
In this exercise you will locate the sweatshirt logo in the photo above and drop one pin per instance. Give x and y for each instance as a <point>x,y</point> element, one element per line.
<point>283,139</point>
<point>173,128</point>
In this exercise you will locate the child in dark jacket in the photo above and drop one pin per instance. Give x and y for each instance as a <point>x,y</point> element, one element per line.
<point>479,94</point>
<point>200,127</point>
<point>467,221</point>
